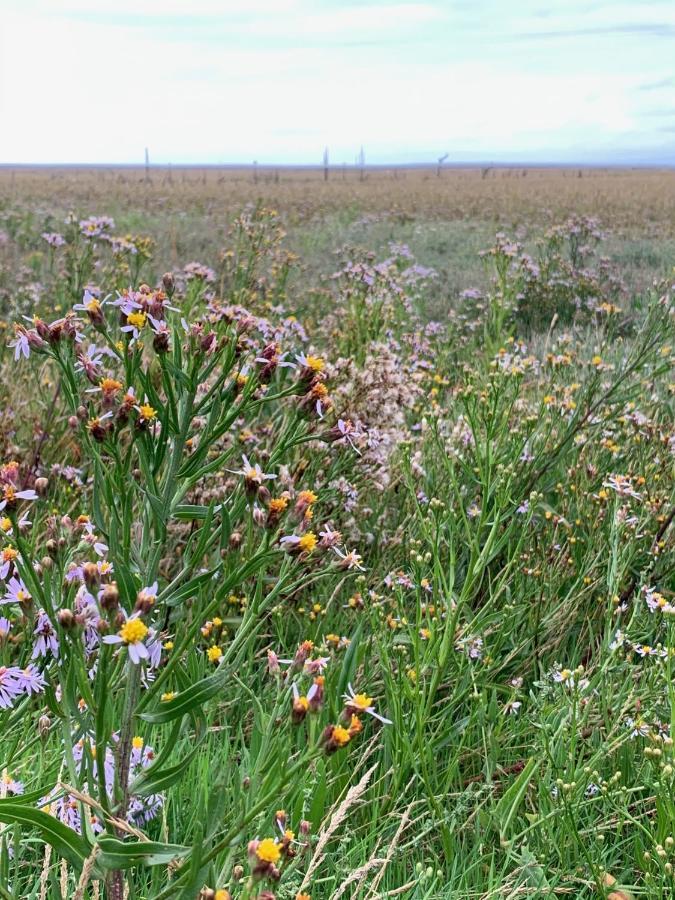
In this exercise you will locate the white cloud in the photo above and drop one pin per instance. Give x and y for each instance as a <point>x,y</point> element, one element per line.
<point>278,81</point>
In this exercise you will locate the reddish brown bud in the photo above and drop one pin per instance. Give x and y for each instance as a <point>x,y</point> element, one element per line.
<point>90,573</point>
<point>110,596</point>
<point>66,618</point>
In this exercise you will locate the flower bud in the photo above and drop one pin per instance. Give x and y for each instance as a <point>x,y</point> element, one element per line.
<point>41,485</point>
<point>66,618</point>
<point>160,342</point>
<point>90,574</point>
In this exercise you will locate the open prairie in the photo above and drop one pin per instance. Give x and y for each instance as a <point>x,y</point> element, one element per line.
<point>336,533</point>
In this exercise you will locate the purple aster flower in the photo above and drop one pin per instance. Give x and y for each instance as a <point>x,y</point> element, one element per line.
<point>154,646</point>
<point>17,592</point>
<point>12,786</point>
<point>47,641</point>
<point>53,238</point>
<point>31,680</point>
<point>11,496</point>
<point>10,688</point>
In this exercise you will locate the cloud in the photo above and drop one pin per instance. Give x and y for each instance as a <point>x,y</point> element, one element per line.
<point>657,85</point>
<point>278,81</point>
<point>655,29</point>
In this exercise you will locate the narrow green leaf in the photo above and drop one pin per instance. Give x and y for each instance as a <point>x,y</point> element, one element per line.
<point>507,807</point>
<point>126,854</point>
<point>188,700</point>
<point>66,842</point>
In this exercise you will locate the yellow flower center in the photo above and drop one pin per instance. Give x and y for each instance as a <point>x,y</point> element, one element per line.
<point>315,363</point>
<point>6,524</point>
<point>110,386</point>
<point>137,743</point>
<point>307,542</point>
<point>341,736</point>
<point>214,653</point>
<point>93,305</point>
<point>133,631</point>
<point>268,851</point>
<point>278,504</point>
<point>147,412</point>
<point>137,319</point>
<point>360,701</point>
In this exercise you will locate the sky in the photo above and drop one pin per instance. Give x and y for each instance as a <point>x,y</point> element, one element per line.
<point>217,81</point>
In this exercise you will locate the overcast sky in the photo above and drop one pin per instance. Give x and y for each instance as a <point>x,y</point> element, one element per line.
<point>278,80</point>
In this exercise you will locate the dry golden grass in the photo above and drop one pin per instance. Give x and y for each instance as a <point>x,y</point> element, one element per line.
<point>638,201</point>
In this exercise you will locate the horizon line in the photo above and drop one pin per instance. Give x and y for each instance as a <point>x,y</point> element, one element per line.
<point>460,164</point>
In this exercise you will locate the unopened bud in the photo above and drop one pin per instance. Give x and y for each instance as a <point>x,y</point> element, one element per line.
<point>41,485</point>
<point>90,573</point>
<point>66,618</point>
<point>110,596</point>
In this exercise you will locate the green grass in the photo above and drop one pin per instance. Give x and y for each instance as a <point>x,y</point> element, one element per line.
<point>498,617</point>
